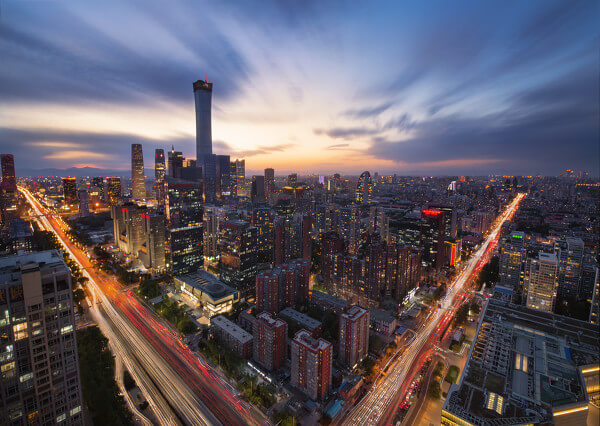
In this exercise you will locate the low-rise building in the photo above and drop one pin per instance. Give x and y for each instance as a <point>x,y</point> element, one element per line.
<point>382,322</point>
<point>232,336</point>
<point>327,302</point>
<point>526,366</point>
<point>206,290</point>
<point>303,321</point>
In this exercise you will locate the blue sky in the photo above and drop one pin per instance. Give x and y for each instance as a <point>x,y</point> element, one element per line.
<point>396,87</point>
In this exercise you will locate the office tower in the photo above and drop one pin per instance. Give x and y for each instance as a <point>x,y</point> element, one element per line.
<point>160,176</point>
<point>152,249</point>
<point>379,223</point>
<point>185,214</point>
<point>175,163</point>
<point>525,367</point>
<point>353,339</point>
<point>450,220</point>
<point>238,176</point>
<point>513,253</point>
<point>432,236</point>
<point>541,281</point>
<point>364,189</point>
<point>238,255</point>
<point>336,182</point>
<point>270,341</point>
<point>69,190</point>
<point>202,99</point>
<point>311,365</point>
<point>40,369</point>
<point>98,182</point>
<point>291,239</point>
<point>211,234</point>
<point>84,202</point>
<point>20,236</point>
<point>262,220</point>
<point>9,180</point>
<point>570,263</point>
<point>113,190</point>
<point>589,277</point>
<point>257,195</point>
<point>292,179</point>
<point>138,178</point>
<point>270,184</point>
<point>127,227</point>
<point>223,182</point>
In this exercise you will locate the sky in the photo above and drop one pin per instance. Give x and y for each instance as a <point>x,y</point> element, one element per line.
<point>426,88</point>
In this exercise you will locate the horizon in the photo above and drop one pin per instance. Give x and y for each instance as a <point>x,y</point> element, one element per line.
<point>476,89</point>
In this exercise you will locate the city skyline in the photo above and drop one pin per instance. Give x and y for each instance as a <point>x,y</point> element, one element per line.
<point>476,90</point>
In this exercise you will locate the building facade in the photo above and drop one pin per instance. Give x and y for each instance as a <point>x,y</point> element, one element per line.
<point>311,365</point>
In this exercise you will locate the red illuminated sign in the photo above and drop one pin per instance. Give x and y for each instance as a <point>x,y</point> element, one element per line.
<point>432,212</point>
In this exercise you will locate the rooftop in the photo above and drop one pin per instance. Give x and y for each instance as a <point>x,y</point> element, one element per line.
<point>39,257</point>
<point>268,319</point>
<point>231,328</point>
<point>300,318</point>
<point>207,283</point>
<point>354,312</point>
<point>304,338</point>
<point>523,365</point>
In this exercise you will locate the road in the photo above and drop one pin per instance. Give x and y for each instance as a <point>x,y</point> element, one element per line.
<point>180,386</point>
<point>378,405</point>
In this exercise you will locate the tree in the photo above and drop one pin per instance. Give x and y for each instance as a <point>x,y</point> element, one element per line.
<point>475,308</point>
<point>435,390</point>
<point>462,314</point>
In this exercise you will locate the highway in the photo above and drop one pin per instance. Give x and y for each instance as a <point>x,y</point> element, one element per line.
<point>180,386</point>
<point>378,405</point>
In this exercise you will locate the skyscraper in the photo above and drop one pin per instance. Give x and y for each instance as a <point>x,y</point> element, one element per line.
<point>541,281</point>
<point>40,382</point>
<point>159,175</point>
<point>311,365</point>
<point>258,189</point>
<point>113,190</point>
<point>270,184</point>
<point>353,336</point>
<point>203,101</point>
<point>84,202</point>
<point>98,182</point>
<point>238,176</point>
<point>70,190</point>
<point>138,184</point>
<point>9,181</point>
<point>238,255</point>
<point>364,189</point>
<point>175,163</point>
<point>223,181</point>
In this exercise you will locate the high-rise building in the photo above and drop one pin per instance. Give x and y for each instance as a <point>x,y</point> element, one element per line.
<point>160,176</point>
<point>127,227</point>
<point>203,101</point>
<point>113,190</point>
<point>257,194</point>
<point>175,163</point>
<point>9,181</point>
<point>84,202</point>
<point>353,339</point>
<point>270,341</point>
<point>283,286</point>
<point>292,179</point>
<point>513,253</point>
<point>238,177</point>
<point>223,181</point>
<point>270,184</point>
<point>595,304</point>
<point>238,255</point>
<point>311,365</point>
<point>138,178</point>
<point>70,190</point>
<point>348,226</point>
<point>185,215</point>
<point>332,245</point>
<point>211,235</point>
<point>541,281</point>
<point>38,356</point>
<point>291,239</point>
<point>432,236</point>
<point>262,220</point>
<point>364,189</point>
<point>570,253</point>
<point>98,183</point>
<point>152,249</point>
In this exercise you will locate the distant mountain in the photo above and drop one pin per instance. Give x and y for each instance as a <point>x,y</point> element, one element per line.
<point>76,171</point>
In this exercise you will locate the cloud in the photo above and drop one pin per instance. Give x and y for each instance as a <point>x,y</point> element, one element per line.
<point>367,112</point>
<point>338,146</point>
<point>346,132</point>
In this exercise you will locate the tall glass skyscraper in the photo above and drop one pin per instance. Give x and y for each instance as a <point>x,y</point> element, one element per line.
<point>159,175</point>
<point>138,186</point>
<point>202,98</point>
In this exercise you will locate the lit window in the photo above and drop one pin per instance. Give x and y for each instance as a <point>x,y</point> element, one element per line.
<point>26,377</point>
<point>66,329</point>
<point>20,331</point>
<point>75,410</point>
<point>61,418</point>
